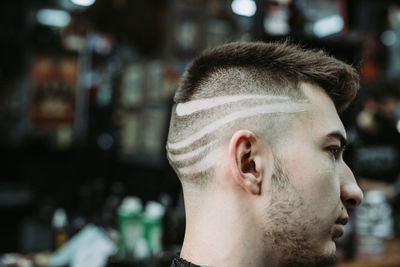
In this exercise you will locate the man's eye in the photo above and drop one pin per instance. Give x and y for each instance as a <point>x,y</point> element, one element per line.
<point>335,151</point>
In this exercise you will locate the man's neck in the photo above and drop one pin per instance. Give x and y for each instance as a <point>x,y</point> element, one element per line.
<point>220,233</point>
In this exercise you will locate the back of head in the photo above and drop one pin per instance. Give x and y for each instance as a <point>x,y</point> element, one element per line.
<point>253,86</point>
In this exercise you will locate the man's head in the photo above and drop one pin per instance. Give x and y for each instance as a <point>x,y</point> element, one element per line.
<point>259,121</point>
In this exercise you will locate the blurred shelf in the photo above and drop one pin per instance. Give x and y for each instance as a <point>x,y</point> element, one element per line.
<point>390,258</point>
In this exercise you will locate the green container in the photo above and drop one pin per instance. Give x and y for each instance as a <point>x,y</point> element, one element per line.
<point>152,220</point>
<point>130,228</point>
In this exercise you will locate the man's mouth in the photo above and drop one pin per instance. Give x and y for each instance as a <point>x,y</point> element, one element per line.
<point>342,220</point>
<point>338,231</point>
<point>339,226</point>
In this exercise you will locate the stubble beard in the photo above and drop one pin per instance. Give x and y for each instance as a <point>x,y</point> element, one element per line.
<point>287,232</point>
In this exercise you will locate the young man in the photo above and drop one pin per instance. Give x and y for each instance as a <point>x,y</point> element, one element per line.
<point>256,141</point>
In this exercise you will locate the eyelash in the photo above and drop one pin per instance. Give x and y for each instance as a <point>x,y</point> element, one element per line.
<point>335,151</point>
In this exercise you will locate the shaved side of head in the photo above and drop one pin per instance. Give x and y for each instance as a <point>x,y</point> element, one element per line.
<point>252,86</point>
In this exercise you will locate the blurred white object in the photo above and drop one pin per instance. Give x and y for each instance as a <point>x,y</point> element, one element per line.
<point>276,21</point>
<point>59,219</point>
<point>89,248</point>
<point>245,8</point>
<point>53,17</point>
<point>154,210</point>
<point>328,26</point>
<point>83,2</point>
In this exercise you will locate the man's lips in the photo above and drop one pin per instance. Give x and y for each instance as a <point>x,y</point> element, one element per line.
<point>338,231</point>
<point>342,220</point>
<point>339,226</point>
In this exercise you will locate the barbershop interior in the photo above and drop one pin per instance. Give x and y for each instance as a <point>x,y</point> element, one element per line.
<point>86,91</point>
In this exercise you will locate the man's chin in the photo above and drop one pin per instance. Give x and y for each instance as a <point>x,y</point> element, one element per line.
<point>329,254</point>
<point>326,257</point>
<point>331,249</point>
<point>321,261</point>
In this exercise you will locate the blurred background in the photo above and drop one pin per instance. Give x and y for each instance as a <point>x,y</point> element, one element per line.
<point>86,89</point>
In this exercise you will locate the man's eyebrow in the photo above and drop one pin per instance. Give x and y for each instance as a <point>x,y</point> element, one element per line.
<point>339,136</point>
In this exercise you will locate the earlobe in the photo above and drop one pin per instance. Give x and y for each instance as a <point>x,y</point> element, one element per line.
<point>245,162</point>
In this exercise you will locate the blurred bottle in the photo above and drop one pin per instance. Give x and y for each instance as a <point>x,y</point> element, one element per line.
<point>130,228</point>
<point>59,226</point>
<point>152,220</point>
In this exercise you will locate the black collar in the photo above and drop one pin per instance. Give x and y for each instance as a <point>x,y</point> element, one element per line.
<point>179,262</point>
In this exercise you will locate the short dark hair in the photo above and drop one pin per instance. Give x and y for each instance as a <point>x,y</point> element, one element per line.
<point>283,60</point>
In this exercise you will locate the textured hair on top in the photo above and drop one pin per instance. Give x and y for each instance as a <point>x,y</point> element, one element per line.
<point>288,61</point>
<point>254,86</point>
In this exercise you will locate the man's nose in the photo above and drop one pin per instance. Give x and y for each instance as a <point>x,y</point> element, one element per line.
<point>351,194</point>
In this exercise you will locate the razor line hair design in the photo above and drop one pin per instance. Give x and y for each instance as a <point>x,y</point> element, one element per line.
<point>233,115</point>
<point>252,86</point>
<point>209,126</point>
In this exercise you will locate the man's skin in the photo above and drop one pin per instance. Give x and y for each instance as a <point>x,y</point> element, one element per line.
<point>243,218</point>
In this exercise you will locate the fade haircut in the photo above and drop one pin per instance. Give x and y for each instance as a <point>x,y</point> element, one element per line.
<point>254,86</point>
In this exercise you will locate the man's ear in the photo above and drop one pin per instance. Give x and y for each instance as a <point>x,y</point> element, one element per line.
<point>246,161</point>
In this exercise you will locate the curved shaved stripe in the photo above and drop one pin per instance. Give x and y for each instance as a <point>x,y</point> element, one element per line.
<point>183,109</point>
<point>207,162</point>
<point>286,107</point>
<point>188,155</point>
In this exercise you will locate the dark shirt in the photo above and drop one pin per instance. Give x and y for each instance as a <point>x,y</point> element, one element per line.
<point>179,262</point>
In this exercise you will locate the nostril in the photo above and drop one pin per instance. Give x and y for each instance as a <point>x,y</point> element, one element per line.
<point>351,195</point>
<point>351,202</point>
